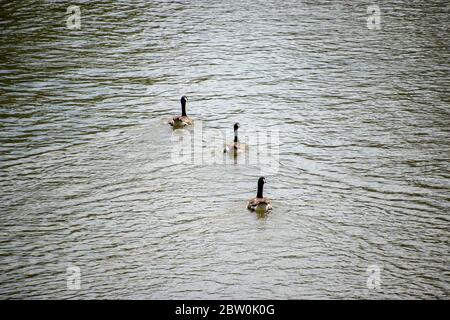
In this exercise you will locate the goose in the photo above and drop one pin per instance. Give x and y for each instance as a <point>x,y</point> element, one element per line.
<point>183,120</point>
<point>260,204</point>
<point>235,147</point>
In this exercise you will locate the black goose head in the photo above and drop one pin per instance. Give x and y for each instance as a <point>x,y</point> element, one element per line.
<point>261,182</point>
<point>236,127</point>
<point>183,106</point>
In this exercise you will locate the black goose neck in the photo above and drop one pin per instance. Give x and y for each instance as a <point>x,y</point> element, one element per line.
<point>260,189</point>
<point>183,108</point>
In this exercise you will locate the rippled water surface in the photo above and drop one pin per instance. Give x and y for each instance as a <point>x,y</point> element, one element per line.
<point>87,177</point>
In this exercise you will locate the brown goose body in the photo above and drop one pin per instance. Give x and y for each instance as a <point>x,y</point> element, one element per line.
<point>180,121</point>
<point>257,204</point>
<point>235,147</point>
